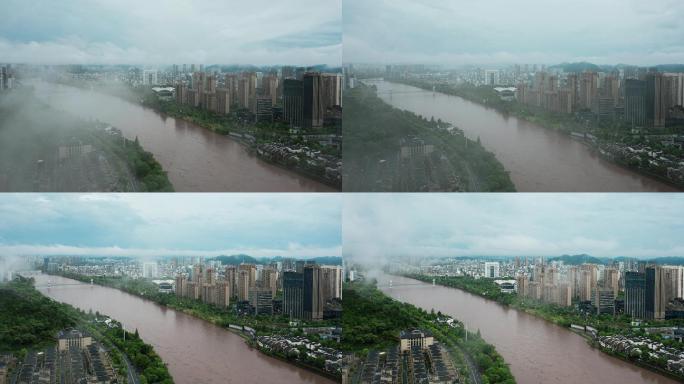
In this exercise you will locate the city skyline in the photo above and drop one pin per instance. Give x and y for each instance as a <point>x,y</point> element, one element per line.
<point>129,32</point>
<point>379,228</point>
<point>170,225</point>
<point>492,32</point>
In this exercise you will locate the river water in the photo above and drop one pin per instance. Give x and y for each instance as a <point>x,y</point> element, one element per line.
<point>537,350</point>
<point>538,159</point>
<point>196,159</point>
<point>196,351</point>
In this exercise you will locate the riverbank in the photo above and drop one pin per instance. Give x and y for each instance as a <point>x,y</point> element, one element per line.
<point>250,328</point>
<point>633,152</point>
<point>372,322</point>
<point>30,321</point>
<point>561,316</point>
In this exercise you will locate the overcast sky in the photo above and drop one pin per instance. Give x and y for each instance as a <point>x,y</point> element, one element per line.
<point>380,227</point>
<point>304,225</point>
<point>262,32</point>
<point>478,32</point>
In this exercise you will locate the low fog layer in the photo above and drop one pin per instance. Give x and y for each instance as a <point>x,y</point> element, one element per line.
<point>10,265</point>
<point>43,147</point>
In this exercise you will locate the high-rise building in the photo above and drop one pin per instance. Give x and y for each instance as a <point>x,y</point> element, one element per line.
<point>231,84</point>
<point>491,269</point>
<point>197,273</point>
<point>269,277</point>
<point>251,270</point>
<point>331,282</point>
<point>264,109</point>
<point>222,295</point>
<point>314,301</point>
<point>181,287</point>
<point>656,299</point>
<point>312,100</point>
<point>588,278</point>
<point>243,93</point>
<point>521,283</point>
<point>572,86</point>
<point>588,90</point>
<point>606,109</point>
<point>197,82</point>
<point>230,275</point>
<point>149,77</point>
<point>677,88</point>
<point>604,301</point>
<point>293,102</point>
<point>270,88</point>
<point>611,88</point>
<point>261,301</point>
<point>181,94</point>
<point>150,270</point>
<point>243,285</point>
<point>331,90</point>
<point>635,294</point>
<point>661,100</point>
<point>611,277</point>
<point>247,91</point>
<point>210,84</point>
<point>293,294</point>
<point>635,102</point>
<point>491,77</point>
<point>223,101</point>
<point>674,282</point>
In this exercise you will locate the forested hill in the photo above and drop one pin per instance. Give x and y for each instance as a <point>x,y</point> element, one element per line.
<point>29,319</point>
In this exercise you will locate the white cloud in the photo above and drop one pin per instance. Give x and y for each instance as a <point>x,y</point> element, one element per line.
<point>294,250</point>
<point>381,227</point>
<point>162,32</point>
<point>503,32</point>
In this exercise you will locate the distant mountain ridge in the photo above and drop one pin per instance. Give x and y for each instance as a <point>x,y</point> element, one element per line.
<point>577,67</point>
<point>247,259</point>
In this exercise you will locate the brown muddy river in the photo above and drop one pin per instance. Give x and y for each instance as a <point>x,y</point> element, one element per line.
<point>538,159</point>
<point>195,351</point>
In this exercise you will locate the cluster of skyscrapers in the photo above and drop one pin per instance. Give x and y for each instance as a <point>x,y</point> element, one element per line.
<point>648,289</point>
<point>648,292</point>
<point>309,290</point>
<point>303,99</point>
<point>639,97</point>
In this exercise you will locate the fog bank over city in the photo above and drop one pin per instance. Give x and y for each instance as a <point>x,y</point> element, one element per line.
<point>170,225</point>
<point>381,228</point>
<point>156,32</point>
<point>497,32</point>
